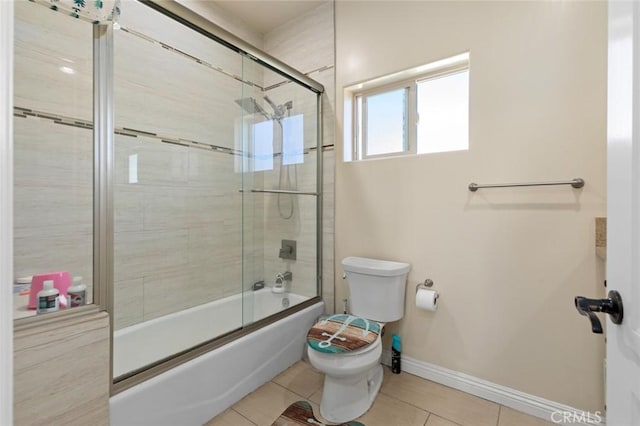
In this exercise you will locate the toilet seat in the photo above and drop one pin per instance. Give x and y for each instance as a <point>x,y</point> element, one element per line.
<point>344,334</point>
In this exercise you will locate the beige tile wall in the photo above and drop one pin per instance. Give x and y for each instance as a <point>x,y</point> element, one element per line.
<point>53,163</point>
<point>307,44</point>
<point>61,373</point>
<point>209,213</point>
<point>178,212</point>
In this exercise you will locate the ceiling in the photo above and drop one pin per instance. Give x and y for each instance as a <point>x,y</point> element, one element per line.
<point>265,15</point>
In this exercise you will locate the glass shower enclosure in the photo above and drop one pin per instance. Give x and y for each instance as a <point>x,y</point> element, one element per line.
<point>216,189</point>
<point>215,178</point>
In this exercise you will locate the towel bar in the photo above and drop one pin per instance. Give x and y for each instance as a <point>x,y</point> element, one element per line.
<point>576,183</point>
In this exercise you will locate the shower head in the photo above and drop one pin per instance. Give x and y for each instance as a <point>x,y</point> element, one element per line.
<point>272,104</point>
<point>279,110</point>
<point>251,106</point>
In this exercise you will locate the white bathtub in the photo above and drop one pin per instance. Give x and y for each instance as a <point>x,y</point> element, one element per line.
<point>197,390</point>
<point>150,341</point>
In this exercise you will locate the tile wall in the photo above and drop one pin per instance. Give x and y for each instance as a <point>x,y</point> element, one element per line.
<point>53,162</point>
<point>307,44</point>
<point>178,209</point>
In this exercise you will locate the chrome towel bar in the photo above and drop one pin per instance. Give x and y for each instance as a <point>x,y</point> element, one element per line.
<point>576,183</point>
<point>281,191</point>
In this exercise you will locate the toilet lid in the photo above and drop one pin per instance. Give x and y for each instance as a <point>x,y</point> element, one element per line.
<point>342,333</point>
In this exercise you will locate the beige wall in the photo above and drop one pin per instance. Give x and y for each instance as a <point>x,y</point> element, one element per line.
<point>506,262</point>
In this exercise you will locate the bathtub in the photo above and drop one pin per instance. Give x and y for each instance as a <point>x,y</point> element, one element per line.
<point>194,392</point>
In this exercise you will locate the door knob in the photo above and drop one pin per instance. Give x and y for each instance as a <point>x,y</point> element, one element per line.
<point>612,305</point>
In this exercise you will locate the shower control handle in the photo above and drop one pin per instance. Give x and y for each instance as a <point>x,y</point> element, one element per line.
<point>287,250</point>
<point>612,305</point>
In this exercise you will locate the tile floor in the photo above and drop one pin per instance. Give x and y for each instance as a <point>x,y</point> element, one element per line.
<point>404,400</point>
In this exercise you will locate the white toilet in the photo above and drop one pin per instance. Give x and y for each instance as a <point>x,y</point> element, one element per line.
<point>347,348</point>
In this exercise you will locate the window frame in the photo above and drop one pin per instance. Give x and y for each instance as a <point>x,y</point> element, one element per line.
<point>360,129</point>
<point>355,106</point>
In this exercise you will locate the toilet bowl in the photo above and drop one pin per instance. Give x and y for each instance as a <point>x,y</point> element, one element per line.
<point>348,348</point>
<point>352,380</point>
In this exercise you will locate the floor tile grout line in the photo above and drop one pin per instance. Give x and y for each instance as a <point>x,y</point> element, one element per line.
<point>407,402</point>
<point>448,387</point>
<point>451,388</point>
<point>449,420</point>
<point>421,408</point>
<point>308,399</point>
<point>430,414</point>
<point>294,392</point>
<point>240,414</point>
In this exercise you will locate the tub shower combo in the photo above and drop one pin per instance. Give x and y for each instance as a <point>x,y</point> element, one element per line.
<point>183,169</point>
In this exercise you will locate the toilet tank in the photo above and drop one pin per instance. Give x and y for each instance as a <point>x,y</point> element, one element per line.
<point>376,287</point>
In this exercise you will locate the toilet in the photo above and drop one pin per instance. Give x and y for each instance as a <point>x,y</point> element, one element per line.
<point>348,348</point>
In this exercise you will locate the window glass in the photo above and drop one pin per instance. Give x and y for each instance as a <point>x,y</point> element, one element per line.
<point>421,110</point>
<point>263,146</point>
<point>386,122</point>
<point>443,111</point>
<point>293,140</point>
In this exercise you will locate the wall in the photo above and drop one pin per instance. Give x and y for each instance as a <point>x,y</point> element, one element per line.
<point>61,372</point>
<point>178,211</point>
<point>53,163</point>
<point>307,44</point>
<point>179,224</point>
<point>506,262</point>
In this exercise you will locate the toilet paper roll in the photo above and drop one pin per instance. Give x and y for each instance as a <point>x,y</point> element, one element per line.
<point>427,299</point>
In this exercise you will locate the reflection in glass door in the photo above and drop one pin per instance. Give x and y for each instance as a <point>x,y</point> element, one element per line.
<point>53,156</point>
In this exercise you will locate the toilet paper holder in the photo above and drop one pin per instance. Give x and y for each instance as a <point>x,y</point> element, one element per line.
<point>426,284</point>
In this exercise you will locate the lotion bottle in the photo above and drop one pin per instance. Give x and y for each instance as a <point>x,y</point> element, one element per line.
<point>77,293</point>
<point>48,298</point>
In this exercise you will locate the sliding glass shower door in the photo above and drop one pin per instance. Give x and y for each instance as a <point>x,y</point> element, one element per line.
<point>280,222</point>
<point>215,190</point>
<point>178,205</point>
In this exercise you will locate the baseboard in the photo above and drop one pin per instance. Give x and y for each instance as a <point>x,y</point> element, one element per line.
<point>520,401</point>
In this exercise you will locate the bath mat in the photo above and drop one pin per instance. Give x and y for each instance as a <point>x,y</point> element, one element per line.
<point>301,413</point>
<point>342,333</point>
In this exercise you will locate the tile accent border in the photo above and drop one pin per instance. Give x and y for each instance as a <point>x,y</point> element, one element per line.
<point>6,212</point>
<point>134,133</point>
<point>512,398</point>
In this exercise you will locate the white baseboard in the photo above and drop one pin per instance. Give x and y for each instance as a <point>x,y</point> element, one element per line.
<point>520,401</point>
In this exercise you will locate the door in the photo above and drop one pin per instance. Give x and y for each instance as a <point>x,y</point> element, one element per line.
<point>623,212</point>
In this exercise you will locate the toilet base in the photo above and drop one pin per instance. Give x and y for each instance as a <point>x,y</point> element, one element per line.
<point>347,398</point>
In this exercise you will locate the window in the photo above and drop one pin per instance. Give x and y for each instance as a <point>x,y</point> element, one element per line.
<point>293,140</point>
<point>384,122</point>
<point>418,111</point>
<point>262,146</point>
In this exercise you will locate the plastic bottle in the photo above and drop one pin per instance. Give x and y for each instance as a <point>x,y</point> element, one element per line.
<point>77,293</point>
<point>396,351</point>
<point>48,298</point>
